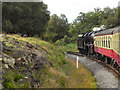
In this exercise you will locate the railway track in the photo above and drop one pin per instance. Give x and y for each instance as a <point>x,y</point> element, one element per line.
<point>112,69</point>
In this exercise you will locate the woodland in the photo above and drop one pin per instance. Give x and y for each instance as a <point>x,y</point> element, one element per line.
<point>33,19</point>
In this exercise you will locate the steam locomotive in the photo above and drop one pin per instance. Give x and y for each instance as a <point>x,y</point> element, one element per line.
<point>104,45</point>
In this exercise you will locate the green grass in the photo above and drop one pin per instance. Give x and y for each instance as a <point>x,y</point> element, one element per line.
<point>70,47</point>
<point>13,78</point>
<point>63,74</point>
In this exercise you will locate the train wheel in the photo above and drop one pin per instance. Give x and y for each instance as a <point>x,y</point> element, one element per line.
<point>104,59</point>
<point>96,56</point>
<point>99,57</point>
<point>115,65</point>
<point>112,63</point>
<point>108,60</point>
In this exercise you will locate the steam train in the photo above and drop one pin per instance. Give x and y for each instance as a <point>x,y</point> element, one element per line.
<point>103,45</point>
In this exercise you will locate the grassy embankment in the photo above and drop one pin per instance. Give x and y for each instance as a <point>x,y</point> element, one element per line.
<point>70,47</point>
<point>62,73</point>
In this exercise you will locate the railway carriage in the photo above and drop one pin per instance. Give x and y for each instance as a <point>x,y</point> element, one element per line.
<point>103,44</point>
<point>107,44</point>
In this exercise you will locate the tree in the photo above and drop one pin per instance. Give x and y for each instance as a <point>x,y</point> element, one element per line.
<point>85,22</point>
<point>25,18</point>
<point>57,28</point>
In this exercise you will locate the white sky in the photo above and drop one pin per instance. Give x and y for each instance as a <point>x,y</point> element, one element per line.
<point>72,8</point>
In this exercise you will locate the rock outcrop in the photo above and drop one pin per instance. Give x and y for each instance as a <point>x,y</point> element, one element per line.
<point>24,59</point>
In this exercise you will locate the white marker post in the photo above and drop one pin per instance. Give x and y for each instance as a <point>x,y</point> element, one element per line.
<point>77,61</point>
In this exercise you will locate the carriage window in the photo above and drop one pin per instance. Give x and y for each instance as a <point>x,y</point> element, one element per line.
<point>109,42</point>
<point>117,39</point>
<point>96,42</point>
<point>102,41</point>
<point>106,42</point>
<point>116,42</point>
<point>99,42</point>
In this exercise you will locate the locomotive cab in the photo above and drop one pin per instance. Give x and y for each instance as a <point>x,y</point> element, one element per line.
<point>85,43</point>
<point>80,43</point>
<point>89,43</point>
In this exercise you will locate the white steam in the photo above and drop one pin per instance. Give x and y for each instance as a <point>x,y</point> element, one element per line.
<point>102,27</point>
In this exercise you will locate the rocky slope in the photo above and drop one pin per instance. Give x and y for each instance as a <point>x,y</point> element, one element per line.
<point>22,58</point>
<point>32,63</point>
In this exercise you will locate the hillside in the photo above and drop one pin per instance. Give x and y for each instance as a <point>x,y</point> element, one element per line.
<point>33,63</point>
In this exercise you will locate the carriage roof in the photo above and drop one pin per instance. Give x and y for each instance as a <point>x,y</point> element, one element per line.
<point>117,30</point>
<point>108,31</point>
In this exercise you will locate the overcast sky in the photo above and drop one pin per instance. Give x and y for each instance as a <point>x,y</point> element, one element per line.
<point>71,8</point>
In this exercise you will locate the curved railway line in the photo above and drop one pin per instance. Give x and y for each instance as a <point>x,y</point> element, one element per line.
<point>108,66</point>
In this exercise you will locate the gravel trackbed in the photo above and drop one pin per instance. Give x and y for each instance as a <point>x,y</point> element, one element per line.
<point>104,78</point>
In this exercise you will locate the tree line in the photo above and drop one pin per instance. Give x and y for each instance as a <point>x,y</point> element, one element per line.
<point>29,18</point>
<point>85,22</point>
<point>34,19</point>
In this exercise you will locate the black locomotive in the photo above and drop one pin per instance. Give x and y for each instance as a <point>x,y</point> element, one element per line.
<point>85,43</point>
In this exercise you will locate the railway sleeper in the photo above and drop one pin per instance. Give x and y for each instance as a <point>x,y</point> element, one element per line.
<point>108,60</point>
